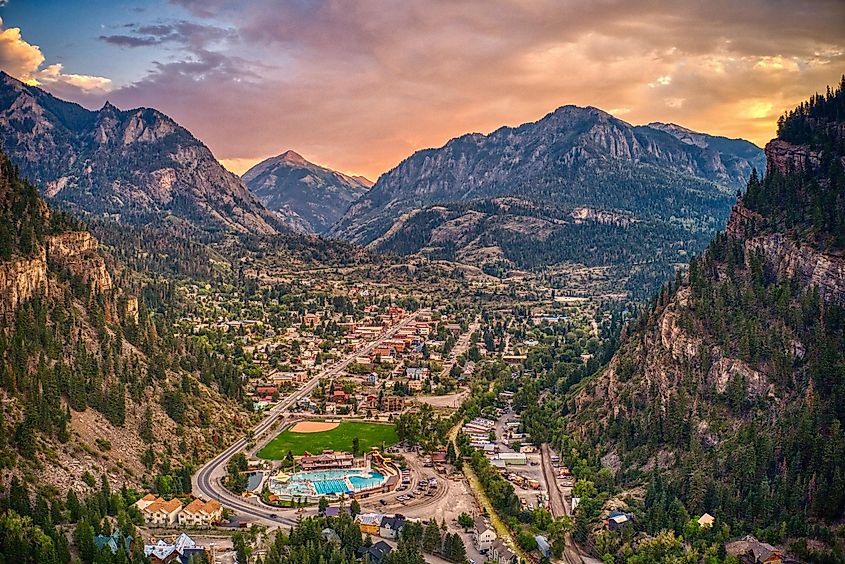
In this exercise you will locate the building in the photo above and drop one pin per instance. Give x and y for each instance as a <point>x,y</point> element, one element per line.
<point>374,554</point>
<point>180,551</point>
<point>706,520</point>
<point>159,512</point>
<point>483,534</point>
<point>393,403</point>
<point>391,526</point>
<point>114,542</point>
<point>749,550</point>
<point>327,459</point>
<point>513,458</point>
<point>415,373</point>
<point>201,513</point>
<point>501,553</point>
<point>617,520</point>
<point>369,523</point>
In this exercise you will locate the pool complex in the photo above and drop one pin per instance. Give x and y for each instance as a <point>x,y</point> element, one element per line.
<point>327,482</point>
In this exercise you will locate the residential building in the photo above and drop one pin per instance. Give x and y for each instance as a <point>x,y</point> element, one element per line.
<point>391,526</point>
<point>393,403</point>
<point>159,512</point>
<point>483,534</point>
<point>180,551</point>
<point>500,553</point>
<point>114,542</point>
<point>369,523</point>
<point>374,554</point>
<point>706,520</point>
<point>201,513</point>
<point>617,520</point>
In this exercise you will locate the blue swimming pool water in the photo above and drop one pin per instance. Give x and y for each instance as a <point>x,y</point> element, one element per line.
<point>330,482</point>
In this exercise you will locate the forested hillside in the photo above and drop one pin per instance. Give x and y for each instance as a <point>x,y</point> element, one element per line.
<point>728,395</point>
<point>92,378</point>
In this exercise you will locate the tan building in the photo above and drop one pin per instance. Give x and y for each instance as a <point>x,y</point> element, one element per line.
<point>158,511</point>
<point>201,513</point>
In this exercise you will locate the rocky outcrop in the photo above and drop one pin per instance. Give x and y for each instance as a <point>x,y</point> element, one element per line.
<point>742,222</point>
<point>21,280</point>
<point>77,251</point>
<point>782,156</point>
<point>791,259</point>
<point>804,263</point>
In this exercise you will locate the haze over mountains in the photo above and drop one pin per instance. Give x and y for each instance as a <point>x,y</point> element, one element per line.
<point>319,196</point>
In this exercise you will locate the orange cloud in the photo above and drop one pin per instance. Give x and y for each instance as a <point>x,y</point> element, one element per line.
<point>24,60</point>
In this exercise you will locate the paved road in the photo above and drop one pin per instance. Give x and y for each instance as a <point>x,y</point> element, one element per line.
<point>206,482</point>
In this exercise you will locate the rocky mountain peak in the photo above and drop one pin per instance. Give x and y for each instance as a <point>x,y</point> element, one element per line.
<point>134,164</point>
<point>314,194</point>
<point>292,157</point>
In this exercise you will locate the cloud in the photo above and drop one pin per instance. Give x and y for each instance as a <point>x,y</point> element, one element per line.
<point>130,40</point>
<point>25,61</point>
<point>359,86</point>
<point>183,32</point>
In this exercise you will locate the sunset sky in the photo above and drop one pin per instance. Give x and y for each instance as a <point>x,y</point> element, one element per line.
<point>358,86</point>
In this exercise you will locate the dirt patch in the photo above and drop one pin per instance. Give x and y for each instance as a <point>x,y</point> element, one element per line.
<point>312,427</point>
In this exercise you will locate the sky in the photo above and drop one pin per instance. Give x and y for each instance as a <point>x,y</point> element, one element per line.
<point>360,85</point>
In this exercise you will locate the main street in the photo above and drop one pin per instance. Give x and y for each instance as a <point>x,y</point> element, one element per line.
<point>206,482</point>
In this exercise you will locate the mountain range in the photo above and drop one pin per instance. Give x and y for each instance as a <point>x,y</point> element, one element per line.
<point>129,164</point>
<point>318,196</point>
<point>569,187</point>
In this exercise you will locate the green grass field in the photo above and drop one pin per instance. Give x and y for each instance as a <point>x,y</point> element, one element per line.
<point>339,438</point>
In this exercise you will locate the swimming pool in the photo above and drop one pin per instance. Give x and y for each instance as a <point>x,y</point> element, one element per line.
<point>327,482</point>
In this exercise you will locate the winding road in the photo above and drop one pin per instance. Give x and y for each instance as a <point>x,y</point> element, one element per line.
<point>206,482</point>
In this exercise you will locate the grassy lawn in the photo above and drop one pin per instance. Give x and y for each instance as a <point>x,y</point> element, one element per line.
<point>339,438</point>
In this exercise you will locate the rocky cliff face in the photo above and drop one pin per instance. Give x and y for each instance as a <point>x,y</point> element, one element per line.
<point>77,251</point>
<point>316,195</point>
<point>132,164</point>
<point>21,280</point>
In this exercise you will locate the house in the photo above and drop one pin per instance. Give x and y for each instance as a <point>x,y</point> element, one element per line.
<point>706,520</point>
<point>501,553</point>
<point>391,526</point>
<point>749,550</point>
<point>329,535</point>
<point>372,378</point>
<point>201,513</point>
<point>415,373</point>
<point>415,385</point>
<point>393,403</point>
<point>327,459</point>
<point>182,550</point>
<point>159,512</point>
<point>114,542</point>
<point>483,534</point>
<point>369,523</point>
<point>374,554</point>
<point>617,520</point>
